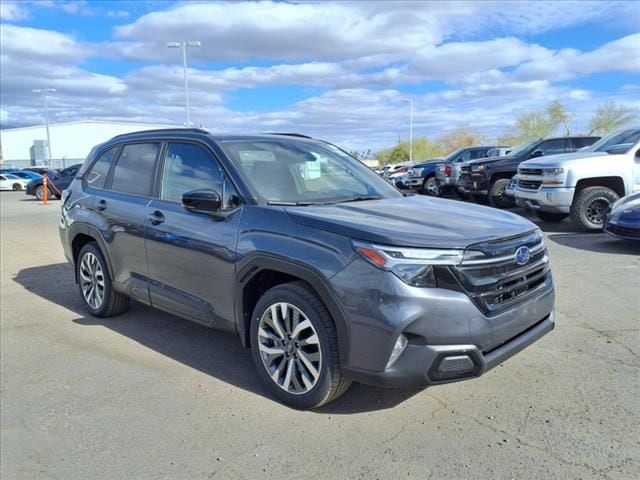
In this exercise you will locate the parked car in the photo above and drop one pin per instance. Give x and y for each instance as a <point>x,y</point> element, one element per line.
<point>324,270</point>
<point>487,179</point>
<point>396,168</point>
<point>582,184</point>
<point>622,220</point>
<point>447,173</point>
<point>41,170</point>
<point>399,179</point>
<point>11,182</point>
<point>422,177</point>
<point>25,174</point>
<point>56,183</point>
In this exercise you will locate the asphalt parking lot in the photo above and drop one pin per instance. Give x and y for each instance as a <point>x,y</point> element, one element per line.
<point>148,395</point>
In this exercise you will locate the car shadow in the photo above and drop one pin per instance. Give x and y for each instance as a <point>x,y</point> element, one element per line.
<point>212,352</point>
<point>596,242</point>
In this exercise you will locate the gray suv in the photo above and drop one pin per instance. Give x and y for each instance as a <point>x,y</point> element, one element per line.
<point>324,270</point>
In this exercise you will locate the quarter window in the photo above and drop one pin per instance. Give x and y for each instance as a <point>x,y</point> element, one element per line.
<point>99,171</point>
<point>191,167</point>
<point>135,169</point>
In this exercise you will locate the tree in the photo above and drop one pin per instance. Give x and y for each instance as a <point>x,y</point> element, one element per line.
<point>538,124</point>
<point>556,114</point>
<point>459,137</point>
<point>609,117</point>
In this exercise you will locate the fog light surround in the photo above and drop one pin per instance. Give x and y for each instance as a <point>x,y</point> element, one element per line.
<point>398,348</point>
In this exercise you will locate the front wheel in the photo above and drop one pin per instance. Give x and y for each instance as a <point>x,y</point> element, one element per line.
<point>497,194</point>
<point>430,187</point>
<point>16,187</point>
<point>295,347</point>
<point>40,192</point>
<point>590,205</point>
<point>551,216</point>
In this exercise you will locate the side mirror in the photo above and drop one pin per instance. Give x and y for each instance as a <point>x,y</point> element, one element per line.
<point>202,201</point>
<point>536,154</point>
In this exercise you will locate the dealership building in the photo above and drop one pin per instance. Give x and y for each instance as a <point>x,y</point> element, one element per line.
<point>70,141</point>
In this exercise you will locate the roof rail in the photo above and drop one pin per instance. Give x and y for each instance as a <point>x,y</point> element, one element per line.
<point>300,135</point>
<point>164,130</point>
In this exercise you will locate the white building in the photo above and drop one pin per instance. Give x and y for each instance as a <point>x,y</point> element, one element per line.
<point>70,141</point>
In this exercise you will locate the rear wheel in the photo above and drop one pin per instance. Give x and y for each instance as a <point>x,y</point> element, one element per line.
<point>40,192</point>
<point>430,187</point>
<point>295,347</point>
<point>497,195</point>
<point>590,205</point>
<point>16,187</point>
<point>551,217</point>
<point>95,284</point>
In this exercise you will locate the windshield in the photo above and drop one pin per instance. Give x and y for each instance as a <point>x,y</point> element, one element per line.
<point>301,172</point>
<point>522,148</point>
<point>625,140</point>
<point>451,157</point>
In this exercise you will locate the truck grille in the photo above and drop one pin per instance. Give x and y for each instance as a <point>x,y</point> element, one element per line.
<point>530,171</point>
<point>495,281</point>
<point>530,184</point>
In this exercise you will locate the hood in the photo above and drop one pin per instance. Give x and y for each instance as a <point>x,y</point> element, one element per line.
<point>413,221</point>
<point>561,160</point>
<point>489,160</point>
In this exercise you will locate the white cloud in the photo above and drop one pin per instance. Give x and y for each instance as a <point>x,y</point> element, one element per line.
<point>117,13</point>
<point>12,12</point>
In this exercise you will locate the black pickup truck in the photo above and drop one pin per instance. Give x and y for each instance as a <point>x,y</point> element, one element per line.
<point>486,179</point>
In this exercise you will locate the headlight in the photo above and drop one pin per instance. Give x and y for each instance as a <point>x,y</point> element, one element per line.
<point>416,172</point>
<point>478,168</point>
<point>553,171</point>
<point>414,266</point>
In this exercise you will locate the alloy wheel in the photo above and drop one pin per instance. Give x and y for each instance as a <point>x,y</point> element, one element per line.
<point>92,280</point>
<point>289,348</point>
<point>596,209</point>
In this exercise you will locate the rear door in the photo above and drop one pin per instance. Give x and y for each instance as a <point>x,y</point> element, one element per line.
<point>122,205</point>
<point>191,256</point>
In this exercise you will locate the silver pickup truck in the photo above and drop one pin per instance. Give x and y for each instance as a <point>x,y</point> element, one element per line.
<point>582,184</point>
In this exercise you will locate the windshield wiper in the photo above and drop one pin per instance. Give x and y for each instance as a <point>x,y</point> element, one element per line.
<point>359,198</point>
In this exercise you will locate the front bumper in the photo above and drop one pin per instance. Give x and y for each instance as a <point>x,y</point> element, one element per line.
<point>414,182</point>
<point>439,323</point>
<point>474,183</point>
<point>545,199</point>
<point>621,229</point>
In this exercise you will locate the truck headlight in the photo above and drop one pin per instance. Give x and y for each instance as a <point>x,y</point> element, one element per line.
<point>414,266</point>
<point>478,168</point>
<point>553,171</point>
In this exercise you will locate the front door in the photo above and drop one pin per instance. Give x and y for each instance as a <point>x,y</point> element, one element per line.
<point>191,256</point>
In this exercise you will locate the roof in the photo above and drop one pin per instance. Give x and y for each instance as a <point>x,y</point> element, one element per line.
<point>185,132</point>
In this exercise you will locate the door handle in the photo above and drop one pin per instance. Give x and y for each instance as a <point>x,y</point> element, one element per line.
<point>102,205</point>
<point>156,218</point>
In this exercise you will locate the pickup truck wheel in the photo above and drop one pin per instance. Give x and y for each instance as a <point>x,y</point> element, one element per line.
<point>430,187</point>
<point>551,216</point>
<point>589,206</point>
<point>295,347</point>
<point>95,284</point>
<point>497,196</point>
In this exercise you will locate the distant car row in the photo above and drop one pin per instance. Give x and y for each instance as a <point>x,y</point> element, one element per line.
<point>576,176</point>
<point>32,181</point>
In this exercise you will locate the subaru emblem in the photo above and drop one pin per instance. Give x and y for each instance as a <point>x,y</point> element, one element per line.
<point>523,254</point>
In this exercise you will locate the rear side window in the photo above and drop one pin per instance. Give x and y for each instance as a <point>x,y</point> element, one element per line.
<point>480,153</point>
<point>135,169</point>
<point>100,169</point>
<point>552,147</point>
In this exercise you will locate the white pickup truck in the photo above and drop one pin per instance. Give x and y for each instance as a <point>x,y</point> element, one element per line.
<point>582,184</point>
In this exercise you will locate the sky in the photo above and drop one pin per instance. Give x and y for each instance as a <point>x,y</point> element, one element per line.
<point>334,70</point>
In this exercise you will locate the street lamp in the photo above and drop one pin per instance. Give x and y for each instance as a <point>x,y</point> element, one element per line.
<point>44,92</point>
<point>410,102</point>
<point>184,46</point>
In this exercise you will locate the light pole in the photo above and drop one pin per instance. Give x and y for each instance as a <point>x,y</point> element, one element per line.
<point>44,92</point>
<point>184,46</point>
<point>410,102</point>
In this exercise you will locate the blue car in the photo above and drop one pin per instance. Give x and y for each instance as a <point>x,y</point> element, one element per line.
<point>622,220</point>
<point>26,174</point>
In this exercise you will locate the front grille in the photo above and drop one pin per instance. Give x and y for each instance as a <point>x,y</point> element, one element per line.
<point>622,231</point>
<point>495,281</point>
<point>465,169</point>
<point>529,171</point>
<point>530,184</point>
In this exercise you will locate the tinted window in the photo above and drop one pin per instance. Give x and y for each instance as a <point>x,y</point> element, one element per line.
<point>98,173</point>
<point>551,147</point>
<point>192,167</point>
<point>135,168</point>
<point>478,153</point>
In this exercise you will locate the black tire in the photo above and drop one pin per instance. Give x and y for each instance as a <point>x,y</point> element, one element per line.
<point>497,197</point>
<point>113,303</point>
<point>16,187</point>
<point>40,192</point>
<point>430,187</point>
<point>551,216</point>
<point>330,383</point>
<point>589,206</point>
